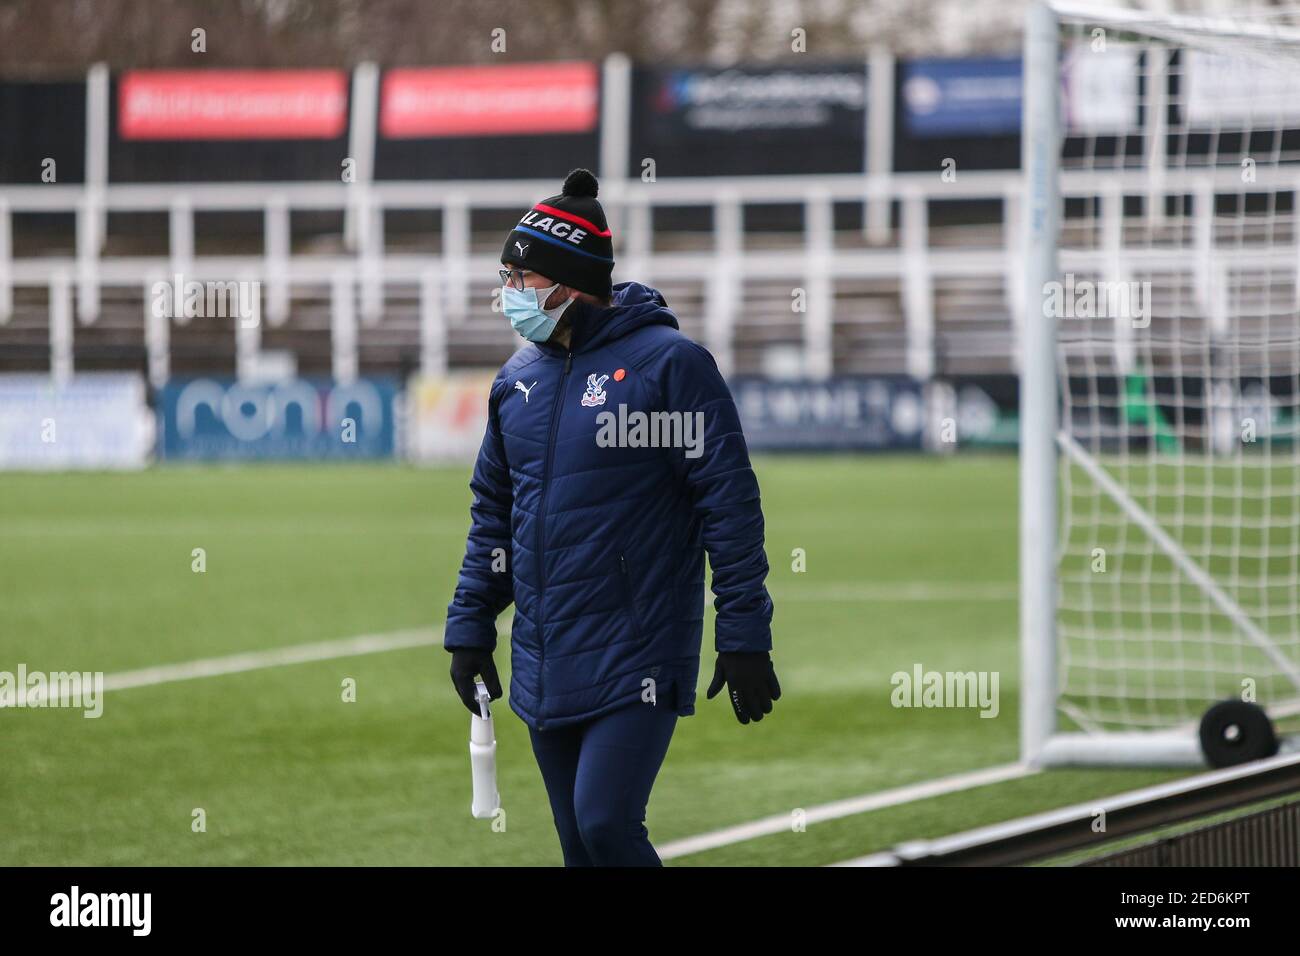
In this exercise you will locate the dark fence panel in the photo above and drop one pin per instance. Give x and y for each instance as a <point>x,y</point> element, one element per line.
<point>43,120</point>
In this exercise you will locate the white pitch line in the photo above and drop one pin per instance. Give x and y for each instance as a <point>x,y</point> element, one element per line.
<point>260,660</point>
<point>781,823</point>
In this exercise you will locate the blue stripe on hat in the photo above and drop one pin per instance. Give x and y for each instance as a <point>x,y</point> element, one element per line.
<point>562,244</point>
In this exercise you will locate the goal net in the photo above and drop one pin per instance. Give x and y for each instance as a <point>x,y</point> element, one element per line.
<point>1160,380</point>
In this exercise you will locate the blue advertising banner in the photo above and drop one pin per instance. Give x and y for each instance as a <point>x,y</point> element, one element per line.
<point>863,414</point>
<point>961,97</point>
<point>209,418</point>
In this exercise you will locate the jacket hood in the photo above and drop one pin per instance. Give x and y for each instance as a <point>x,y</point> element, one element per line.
<point>635,306</point>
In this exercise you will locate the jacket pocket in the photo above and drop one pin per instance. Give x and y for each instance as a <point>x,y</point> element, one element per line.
<point>629,597</point>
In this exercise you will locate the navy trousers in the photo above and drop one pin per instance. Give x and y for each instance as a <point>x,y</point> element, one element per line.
<point>598,776</point>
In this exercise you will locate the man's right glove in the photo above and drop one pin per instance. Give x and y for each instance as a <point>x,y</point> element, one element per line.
<point>751,680</point>
<point>468,663</point>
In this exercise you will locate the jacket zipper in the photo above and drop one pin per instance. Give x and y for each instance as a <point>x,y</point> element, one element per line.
<point>541,556</point>
<point>630,598</point>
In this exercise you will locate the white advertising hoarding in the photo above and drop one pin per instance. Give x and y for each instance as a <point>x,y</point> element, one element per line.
<point>1239,92</point>
<point>96,420</point>
<point>1101,89</point>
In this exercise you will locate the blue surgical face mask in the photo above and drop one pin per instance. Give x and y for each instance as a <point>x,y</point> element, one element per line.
<point>525,312</point>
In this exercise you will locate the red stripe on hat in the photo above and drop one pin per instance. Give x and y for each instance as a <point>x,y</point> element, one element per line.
<point>542,207</point>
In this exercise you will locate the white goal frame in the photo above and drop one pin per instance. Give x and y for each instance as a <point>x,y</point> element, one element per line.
<point>1043,441</point>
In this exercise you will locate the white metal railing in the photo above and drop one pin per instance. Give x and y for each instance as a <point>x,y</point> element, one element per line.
<point>630,205</point>
<point>444,277</point>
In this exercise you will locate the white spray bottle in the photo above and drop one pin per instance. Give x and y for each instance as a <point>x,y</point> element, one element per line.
<point>483,757</point>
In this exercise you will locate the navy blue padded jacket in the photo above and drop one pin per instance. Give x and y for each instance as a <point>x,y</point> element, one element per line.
<point>601,549</point>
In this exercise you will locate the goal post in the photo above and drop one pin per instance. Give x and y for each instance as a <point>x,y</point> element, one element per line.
<point>1159,359</point>
<point>1040,162</point>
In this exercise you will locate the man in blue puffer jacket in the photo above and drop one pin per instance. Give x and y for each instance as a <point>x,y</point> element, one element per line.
<point>613,460</point>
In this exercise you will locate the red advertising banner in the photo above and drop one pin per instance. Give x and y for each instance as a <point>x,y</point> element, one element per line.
<point>233,104</point>
<point>489,100</point>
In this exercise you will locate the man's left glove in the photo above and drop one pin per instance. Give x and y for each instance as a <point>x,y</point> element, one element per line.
<point>751,681</point>
<point>468,663</point>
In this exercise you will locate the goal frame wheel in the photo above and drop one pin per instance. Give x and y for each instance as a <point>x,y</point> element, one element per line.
<point>1234,732</point>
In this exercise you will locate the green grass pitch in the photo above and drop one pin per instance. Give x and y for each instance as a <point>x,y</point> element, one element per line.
<point>909,560</point>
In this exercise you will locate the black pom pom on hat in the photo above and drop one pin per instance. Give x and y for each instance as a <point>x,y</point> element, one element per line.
<point>580,182</point>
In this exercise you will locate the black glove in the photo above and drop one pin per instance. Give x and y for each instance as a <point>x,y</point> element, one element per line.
<point>752,681</point>
<point>468,663</point>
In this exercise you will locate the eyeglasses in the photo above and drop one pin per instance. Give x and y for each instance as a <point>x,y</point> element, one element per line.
<point>513,278</point>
